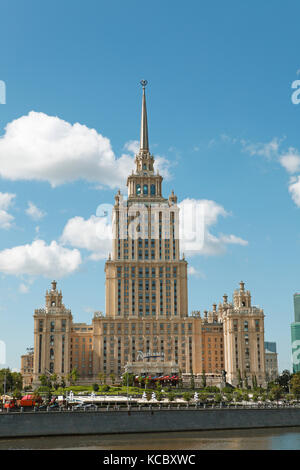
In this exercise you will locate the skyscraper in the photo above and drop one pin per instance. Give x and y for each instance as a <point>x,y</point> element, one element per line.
<point>146,305</point>
<point>295,333</point>
<point>146,280</point>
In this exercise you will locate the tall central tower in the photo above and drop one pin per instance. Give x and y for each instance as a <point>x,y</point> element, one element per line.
<point>146,281</point>
<point>145,277</point>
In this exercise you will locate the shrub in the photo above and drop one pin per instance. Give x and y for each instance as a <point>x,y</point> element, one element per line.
<point>187,396</point>
<point>95,387</point>
<point>212,389</point>
<point>218,398</point>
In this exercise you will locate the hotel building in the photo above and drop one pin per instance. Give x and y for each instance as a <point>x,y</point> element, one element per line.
<point>146,305</point>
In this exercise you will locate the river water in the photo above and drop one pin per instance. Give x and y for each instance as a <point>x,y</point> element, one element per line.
<point>250,439</point>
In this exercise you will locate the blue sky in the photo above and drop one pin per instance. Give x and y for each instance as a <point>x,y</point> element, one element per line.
<point>221,122</point>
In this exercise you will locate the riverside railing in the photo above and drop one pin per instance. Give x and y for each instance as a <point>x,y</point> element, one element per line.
<point>158,407</point>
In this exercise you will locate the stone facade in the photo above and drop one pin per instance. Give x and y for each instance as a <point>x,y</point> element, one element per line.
<point>147,300</point>
<point>27,368</point>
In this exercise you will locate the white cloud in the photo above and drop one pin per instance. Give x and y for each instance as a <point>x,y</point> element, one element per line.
<point>23,288</point>
<point>192,271</point>
<point>291,160</point>
<point>132,146</point>
<point>39,259</point>
<point>294,189</point>
<point>6,219</point>
<point>93,234</point>
<point>267,150</point>
<point>196,219</point>
<point>46,148</point>
<point>6,200</point>
<point>233,240</point>
<point>34,212</point>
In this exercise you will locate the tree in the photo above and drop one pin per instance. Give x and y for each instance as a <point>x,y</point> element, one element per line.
<point>10,381</point>
<point>180,378</point>
<point>112,377</point>
<point>295,385</point>
<point>276,393</point>
<point>203,379</point>
<point>101,377</point>
<point>127,379</point>
<point>245,379</point>
<point>44,380</point>
<point>53,380</point>
<point>158,386</point>
<point>187,396</point>
<point>254,382</point>
<point>218,398</point>
<point>192,384</point>
<point>284,380</point>
<point>240,382</point>
<point>147,381</point>
<point>73,376</point>
<point>140,380</point>
<point>171,396</point>
<point>229,397</point>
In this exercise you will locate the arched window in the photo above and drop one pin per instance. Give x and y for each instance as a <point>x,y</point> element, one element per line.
<point>145,189</point>
<point>138,189</point>
<point>152,190</point>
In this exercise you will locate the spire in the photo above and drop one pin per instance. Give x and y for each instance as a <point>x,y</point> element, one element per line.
<point>144,145</point>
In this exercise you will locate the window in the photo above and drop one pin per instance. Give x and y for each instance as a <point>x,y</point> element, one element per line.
<point>145,189</point>
<point>152,189</point>
<point>138,189</point>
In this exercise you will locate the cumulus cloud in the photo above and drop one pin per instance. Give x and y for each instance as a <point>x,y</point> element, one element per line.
<point>46,148</point>
<point>93,234</point>
<point>294,189</point>
<point>291,160</point>
<point>34,212</point>
<point>40,259</point>
<point>6,219</point>
<point>6,200</point>
<point>196,220</point>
